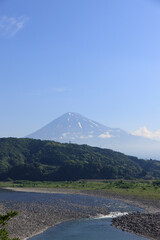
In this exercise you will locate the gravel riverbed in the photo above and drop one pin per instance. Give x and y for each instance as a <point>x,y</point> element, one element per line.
<point>146,224</point>
<point>34,218</point>
<point>143,224</point>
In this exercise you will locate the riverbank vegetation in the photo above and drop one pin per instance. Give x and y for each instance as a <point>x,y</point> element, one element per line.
<point>139,188</point>
<point>4,234</point>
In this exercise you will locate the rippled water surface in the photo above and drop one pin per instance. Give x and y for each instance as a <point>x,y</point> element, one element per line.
<point>92,229</point>
<point>83,200</point>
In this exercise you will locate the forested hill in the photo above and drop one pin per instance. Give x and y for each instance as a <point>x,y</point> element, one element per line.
<point>28,159</point>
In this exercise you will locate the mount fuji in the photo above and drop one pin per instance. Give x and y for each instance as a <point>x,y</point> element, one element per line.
<point>75,128</point>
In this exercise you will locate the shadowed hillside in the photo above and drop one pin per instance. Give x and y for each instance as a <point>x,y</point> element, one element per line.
<point>28,159</point>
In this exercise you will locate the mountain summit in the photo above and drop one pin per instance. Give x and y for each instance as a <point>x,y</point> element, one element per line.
<point>75,128</point>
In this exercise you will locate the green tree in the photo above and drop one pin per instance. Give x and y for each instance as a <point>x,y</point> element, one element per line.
<point>4,234</point>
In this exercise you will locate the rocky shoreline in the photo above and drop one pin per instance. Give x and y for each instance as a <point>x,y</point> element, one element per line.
<point>144,224</point>
<point>37,217</point>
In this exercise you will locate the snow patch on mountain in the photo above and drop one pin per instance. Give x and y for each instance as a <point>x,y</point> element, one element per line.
<point>93,123</point>
<point>79,124</point>
<point>72,127</point>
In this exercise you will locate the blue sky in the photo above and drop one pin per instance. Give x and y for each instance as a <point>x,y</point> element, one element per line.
<point>99,58</point>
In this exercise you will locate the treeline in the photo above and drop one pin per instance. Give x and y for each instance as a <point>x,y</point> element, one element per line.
<point>28,159</point>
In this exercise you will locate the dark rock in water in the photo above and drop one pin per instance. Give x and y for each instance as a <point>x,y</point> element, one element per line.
<point>144,224</point>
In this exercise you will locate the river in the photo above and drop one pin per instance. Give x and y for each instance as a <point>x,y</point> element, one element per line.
<point>97,228</point>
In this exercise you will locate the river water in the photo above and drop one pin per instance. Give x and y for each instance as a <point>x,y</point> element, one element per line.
<point>98,228</point>
<point>86,229</point>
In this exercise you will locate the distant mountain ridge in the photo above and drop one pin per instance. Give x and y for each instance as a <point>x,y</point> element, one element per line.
<point>71,126</point>
<point>75,128</point>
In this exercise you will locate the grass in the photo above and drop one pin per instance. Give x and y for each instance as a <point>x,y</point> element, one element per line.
<point>138,188</point>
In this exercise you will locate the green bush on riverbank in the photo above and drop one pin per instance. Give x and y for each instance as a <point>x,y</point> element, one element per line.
<point>4,234</point>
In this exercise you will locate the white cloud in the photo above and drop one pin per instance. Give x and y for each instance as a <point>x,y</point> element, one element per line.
<point>105,135</point>
<point>65,134</point>
<point>86,137</point>
<point>90,136</point>
<point>9,26</point>
<point>44,92</point>
<point>59,90</point>
<point>144,132</point>
<point>82,137</point>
